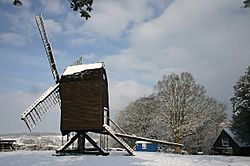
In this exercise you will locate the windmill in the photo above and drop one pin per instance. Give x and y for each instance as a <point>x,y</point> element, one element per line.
<point>82,92</point>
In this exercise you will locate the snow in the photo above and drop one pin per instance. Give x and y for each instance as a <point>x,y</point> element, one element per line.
<point>142,142</point>
<point>79,68</point>
<point>44,158</point>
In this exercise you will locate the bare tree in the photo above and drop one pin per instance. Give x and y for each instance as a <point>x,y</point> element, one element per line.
<point>206,133</point>
<point>137,117</point>
<point>179,111</point>
<point>140,118</point>
<point>184,106</point>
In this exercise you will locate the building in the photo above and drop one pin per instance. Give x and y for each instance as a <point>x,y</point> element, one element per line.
<point>7,144</point>
<point>227,143</point>
<point>84,98</point>
<point>144,146</point>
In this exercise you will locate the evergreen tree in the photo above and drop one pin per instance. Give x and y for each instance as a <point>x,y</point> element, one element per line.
<point>241,107</point>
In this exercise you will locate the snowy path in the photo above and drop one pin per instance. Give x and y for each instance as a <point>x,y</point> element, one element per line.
<point>45,158</point>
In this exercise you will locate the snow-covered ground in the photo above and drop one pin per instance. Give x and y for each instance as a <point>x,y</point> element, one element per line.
<point>45,158</point>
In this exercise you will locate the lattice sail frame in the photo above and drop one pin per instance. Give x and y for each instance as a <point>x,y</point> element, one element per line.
<point>40,108</point>
<point>47,47</point>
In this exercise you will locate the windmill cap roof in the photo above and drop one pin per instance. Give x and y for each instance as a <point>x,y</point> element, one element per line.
<point>79,68</point>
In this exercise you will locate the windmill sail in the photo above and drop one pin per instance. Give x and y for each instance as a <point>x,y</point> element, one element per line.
<point>48,48</point>
<point>40,108</point>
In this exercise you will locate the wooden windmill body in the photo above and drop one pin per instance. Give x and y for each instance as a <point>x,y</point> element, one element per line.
<point>82,92</point>
<point>84,98</point>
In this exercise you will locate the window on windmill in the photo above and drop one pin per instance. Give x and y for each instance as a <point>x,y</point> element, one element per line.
<point>103,77</point>
<point>225,142</point>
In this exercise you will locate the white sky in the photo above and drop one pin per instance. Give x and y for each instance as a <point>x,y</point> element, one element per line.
<point>139,42</point>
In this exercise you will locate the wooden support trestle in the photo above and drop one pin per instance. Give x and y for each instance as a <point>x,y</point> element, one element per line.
<point>81,149</point>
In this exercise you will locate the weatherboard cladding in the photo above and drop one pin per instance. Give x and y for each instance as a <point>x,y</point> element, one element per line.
<point>84,94</point>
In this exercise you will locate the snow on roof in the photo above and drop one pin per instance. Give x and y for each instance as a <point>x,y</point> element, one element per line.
<point>79,68</point>
<point>142,142</point>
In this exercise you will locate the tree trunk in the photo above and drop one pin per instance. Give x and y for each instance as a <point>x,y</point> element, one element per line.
<point>177,148</point>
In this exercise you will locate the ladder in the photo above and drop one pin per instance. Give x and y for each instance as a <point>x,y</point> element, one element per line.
<point>47,46</point>
<point>119,140</point>
<point>40,108</point>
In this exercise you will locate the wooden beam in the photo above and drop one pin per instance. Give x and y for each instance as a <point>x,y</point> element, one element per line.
<point>148,139</point>
<point>92,142</point>
<point>68,143</point>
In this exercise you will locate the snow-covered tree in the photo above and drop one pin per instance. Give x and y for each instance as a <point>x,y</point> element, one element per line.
<point>140,118</point>
<point>137,117</point>
<point>178,111</point>
<point>241,107</point>
<point>184,106</point>
<point>205,135</point>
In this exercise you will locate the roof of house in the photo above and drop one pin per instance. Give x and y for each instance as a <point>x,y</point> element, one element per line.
<point>235,138</point>
<point>4,141</point>
<point>142,142</point>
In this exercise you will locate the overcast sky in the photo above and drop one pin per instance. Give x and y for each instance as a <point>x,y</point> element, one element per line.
<point>139,42</point>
